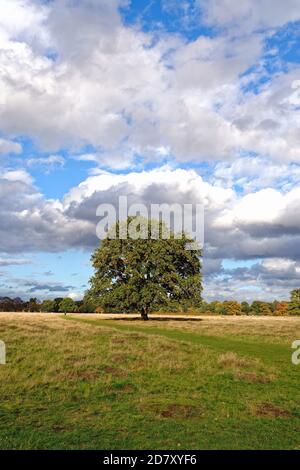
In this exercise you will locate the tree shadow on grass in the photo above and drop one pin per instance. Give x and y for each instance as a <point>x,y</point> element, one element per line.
<point>137,318</point>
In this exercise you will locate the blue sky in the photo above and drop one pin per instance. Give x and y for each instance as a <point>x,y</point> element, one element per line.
<point>179,100</point>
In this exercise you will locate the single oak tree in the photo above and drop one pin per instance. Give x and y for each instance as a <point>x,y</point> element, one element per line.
<point>142,274</point>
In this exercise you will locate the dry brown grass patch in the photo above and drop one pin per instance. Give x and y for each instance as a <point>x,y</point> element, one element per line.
<point>176,411</point>
<point>127,388</point>
<point>270,410</point>
<point>114,371</point>
<point>253,377</point>
<point>232,360</point>
<point>88,375</point>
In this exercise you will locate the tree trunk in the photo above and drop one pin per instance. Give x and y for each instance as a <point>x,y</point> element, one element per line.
<point>144,314</point>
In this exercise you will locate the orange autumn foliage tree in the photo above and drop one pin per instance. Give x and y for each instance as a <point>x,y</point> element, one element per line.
<point>231,307</point>
<point>281,308</point>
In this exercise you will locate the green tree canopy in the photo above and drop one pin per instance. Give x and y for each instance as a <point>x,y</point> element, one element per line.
<point>294,305</point>
<point>33,305</point>
<point>47,306</point>
<point>56,303</point>
<point>67,305</point>
<point>245,308</point>
<point>143,273</point>
<point>261,308</point>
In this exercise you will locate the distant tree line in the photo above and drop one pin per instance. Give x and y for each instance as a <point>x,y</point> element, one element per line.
<point>228,307</point>
<point>257,307</point>
<point>58,305</point>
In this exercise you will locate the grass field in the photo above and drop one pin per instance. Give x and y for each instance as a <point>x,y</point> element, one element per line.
<point>79,382</point>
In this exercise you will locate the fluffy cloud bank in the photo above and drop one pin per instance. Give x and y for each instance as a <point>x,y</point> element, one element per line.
<point>76,80</point>
<point>271,279</point>
<point>259,224</point>
<point>250,15</point>
<point>72,74</point>
<point>264,224</point>
<point>32,223</point>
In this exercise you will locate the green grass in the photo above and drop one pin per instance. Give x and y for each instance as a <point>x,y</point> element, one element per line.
<point>77,382</point>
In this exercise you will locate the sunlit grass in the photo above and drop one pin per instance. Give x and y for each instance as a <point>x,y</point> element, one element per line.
<point>78,382</point>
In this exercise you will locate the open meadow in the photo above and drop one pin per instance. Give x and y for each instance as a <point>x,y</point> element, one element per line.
<point>84,382</point>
